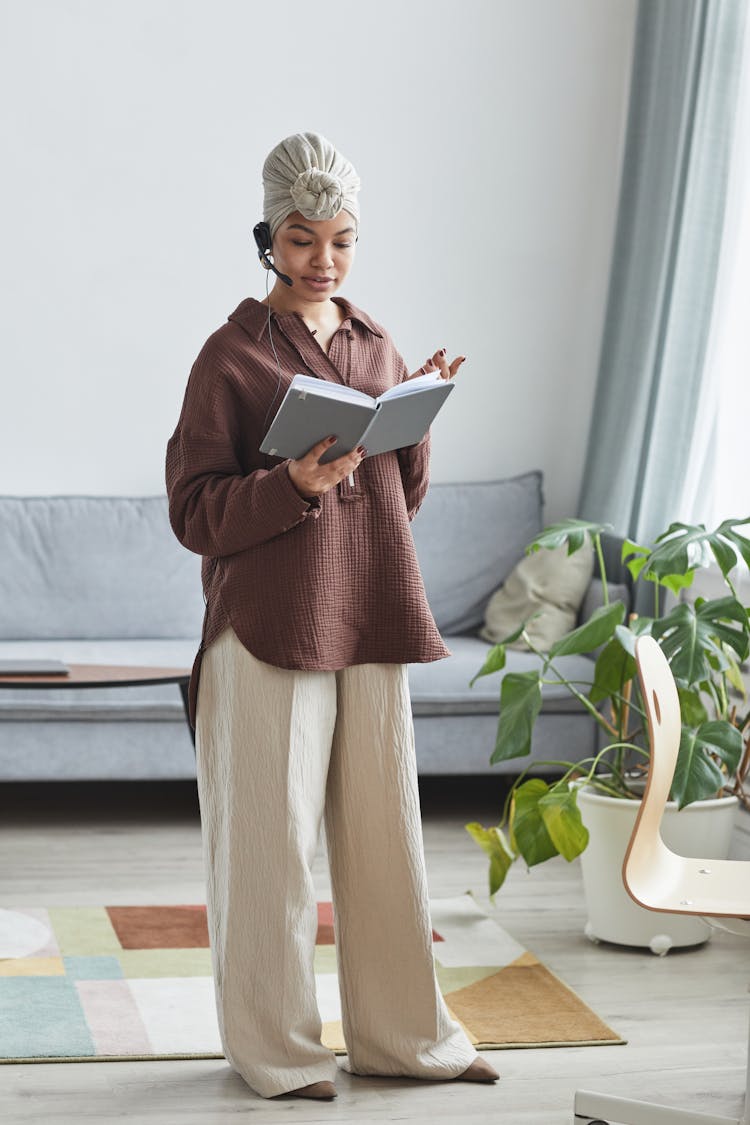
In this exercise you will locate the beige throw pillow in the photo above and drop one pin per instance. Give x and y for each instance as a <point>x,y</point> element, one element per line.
<point>549,581</point>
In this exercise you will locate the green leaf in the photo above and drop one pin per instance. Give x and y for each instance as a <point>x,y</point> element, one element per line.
<point>672,555</point>
<point>740,542</point>
<point>562,819</point>
<point>691,637</point>
<point>724,554</point>
<point>722,739</point>
<point>571,531</point>
<point>493,842</point>
<point>627,635</point>
<point>520,703</point>
<point>527,824</point>
<point>598,629</point>
<point>734,675</point>
<point>676,582</point>
<point>698,776</point>
<point>637,563</point>
<point>494,662</point>
<point>691,707</point>
<point>684,546</point>
<point>614,667</point>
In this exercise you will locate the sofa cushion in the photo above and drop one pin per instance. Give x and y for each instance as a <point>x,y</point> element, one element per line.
<point>438,687</point>
<point>468,538</point>
<point>442,686</point>
<point>545,590</point>
<point>95,566</point>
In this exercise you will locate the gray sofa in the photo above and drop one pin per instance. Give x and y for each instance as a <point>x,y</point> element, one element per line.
<point>103,579</point>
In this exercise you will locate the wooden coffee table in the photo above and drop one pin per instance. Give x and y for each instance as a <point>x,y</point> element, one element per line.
<point>108,675</point>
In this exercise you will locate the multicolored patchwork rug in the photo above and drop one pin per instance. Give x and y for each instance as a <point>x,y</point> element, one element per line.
<point>134,982</point>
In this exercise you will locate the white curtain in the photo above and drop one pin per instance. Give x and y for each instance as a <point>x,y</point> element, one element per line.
<point>717,481</point>
<point>653,396</point>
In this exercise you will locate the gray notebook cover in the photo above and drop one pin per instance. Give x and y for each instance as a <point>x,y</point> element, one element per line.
<point>405,420</point>
<point>306,417</point>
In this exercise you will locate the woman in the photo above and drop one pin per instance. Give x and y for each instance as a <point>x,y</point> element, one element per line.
<point>299,694</point>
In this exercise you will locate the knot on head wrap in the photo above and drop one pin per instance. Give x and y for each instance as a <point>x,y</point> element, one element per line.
<point>305,173</point>
<point>317,195</point>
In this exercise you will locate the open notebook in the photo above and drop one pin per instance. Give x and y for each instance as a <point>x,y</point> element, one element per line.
<point>314,408</point>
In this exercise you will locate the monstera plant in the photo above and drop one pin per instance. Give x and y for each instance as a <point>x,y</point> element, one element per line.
<point>705,642</point>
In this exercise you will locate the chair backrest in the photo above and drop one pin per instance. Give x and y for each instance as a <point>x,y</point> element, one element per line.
<point>649,865</point>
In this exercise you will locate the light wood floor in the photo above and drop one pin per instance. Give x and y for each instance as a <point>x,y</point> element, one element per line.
<point>685,1016</point>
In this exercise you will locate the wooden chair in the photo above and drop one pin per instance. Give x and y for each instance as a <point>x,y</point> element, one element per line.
<point>657,878</point>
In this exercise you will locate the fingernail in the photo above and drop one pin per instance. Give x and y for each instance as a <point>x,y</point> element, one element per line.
<point>332,439</point>
<point>361,449</point>
<point>442,351</point>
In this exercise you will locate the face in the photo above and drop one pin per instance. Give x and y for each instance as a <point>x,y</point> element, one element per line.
<point>307,249</point>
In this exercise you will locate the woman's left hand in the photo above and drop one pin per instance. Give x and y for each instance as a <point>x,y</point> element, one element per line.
<point>439,362</point>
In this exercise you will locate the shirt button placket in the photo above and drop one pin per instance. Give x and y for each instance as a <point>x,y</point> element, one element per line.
<point>340,357</point>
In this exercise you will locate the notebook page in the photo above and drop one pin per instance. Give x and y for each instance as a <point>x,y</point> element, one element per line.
<point>411,386</point>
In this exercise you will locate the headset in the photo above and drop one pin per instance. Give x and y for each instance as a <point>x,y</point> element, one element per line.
<point>262,236</point>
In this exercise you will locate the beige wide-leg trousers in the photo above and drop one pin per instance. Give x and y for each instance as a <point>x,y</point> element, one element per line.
<point>278,751</point>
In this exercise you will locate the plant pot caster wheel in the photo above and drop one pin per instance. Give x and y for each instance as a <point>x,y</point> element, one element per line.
<point>589,932</point>
<point>660,944</point>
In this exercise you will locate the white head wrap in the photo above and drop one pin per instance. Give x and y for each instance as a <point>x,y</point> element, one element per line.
<point>305,173</point>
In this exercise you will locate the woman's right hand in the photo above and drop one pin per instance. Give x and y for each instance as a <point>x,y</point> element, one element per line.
<point>312,479</point>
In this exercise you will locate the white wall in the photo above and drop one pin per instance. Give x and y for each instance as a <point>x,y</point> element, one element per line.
<point>488,136</point>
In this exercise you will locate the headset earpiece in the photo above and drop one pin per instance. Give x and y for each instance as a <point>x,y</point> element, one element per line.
<point>262,236</point>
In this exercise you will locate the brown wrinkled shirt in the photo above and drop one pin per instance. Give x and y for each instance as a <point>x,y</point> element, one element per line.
<point>319,584</point>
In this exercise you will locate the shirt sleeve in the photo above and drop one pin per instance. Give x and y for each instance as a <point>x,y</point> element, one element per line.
<point>215,508</point>
<point>414,463</point>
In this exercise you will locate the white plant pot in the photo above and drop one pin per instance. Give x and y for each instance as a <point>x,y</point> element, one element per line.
<point>701,829</point>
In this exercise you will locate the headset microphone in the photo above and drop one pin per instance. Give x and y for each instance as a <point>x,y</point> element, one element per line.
<point>262,235</point>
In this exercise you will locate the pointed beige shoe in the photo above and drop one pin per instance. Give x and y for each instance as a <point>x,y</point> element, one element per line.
<point>315,1090</point>
<point>479,1071</point>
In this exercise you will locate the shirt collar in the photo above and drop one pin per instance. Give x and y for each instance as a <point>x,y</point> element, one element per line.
<point>253,316</point>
